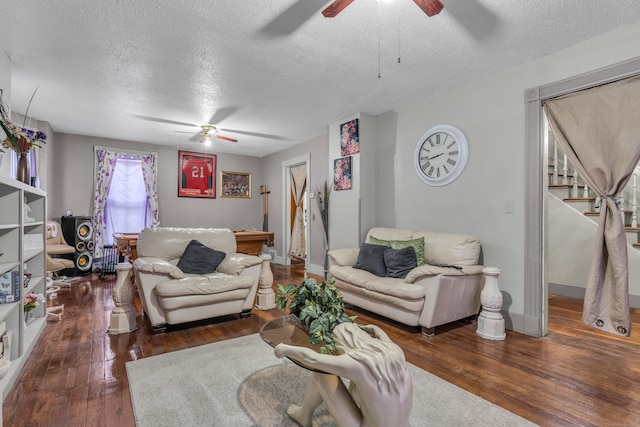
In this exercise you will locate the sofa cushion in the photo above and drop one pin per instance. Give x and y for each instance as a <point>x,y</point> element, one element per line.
<point>450,248</point>
<point>200,259</point>
<point>215,283</point>
<point>345,256</point>
<point>371,259</point>
<point>417,244</point>
<point>351,275</point>
<point>399,262</point>
<point>170,242</point>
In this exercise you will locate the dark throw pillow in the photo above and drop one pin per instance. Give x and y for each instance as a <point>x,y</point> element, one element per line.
<point>200,259</point>
<point>399,262</point>
<point>418,246</point>
<point>371,259</point>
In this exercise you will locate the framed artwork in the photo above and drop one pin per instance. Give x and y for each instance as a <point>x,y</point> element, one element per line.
<point>235,185</point>
<point>196,175</point>
<point>342,173</point>
<point>349,141</point>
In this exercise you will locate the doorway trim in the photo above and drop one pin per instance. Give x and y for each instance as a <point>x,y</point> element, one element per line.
<point>536,320</point>
<point>286,206</point>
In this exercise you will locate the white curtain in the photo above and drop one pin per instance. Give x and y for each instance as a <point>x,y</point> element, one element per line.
<point>105,162</point>
<point>149,174</point>
<point>127,208</point>
<point>599,130</point>
<point>297,246</point>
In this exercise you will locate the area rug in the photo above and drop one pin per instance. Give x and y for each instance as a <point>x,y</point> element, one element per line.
<point>240,382</point>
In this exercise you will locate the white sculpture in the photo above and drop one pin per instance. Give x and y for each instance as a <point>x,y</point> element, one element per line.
<point>26,211</point>
<point>380,392</point>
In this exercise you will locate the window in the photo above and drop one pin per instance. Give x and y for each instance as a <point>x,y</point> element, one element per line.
<point>127,206</point>
<point>125,197</point>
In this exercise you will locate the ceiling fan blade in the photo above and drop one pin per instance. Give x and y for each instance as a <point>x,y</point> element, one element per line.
<point>259,135</point>
<point>226,138</point>
<point>430,7</point>
<point>335,8</point>
<point>221,114</point>
<point>159,120</point>
<point>474,17</point>
<point>292,18</point>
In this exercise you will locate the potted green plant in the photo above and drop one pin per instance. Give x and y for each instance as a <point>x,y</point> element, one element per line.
<point>318,307</point>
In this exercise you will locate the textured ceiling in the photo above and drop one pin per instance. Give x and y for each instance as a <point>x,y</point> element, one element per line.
<point>271,73</point>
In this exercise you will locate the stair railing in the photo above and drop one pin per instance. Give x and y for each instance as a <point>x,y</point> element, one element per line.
<point>630,193</point>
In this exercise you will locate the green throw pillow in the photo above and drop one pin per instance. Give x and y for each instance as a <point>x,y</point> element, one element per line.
<point>417,244</point>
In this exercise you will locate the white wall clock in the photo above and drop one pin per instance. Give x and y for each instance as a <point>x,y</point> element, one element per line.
<point>441,155</point>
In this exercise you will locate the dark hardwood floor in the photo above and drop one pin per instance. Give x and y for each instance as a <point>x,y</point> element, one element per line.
<point>576,376</point>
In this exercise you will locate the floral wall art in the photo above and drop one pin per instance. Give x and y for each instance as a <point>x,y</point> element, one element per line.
<point>342,173</point>
<point>349,140</point>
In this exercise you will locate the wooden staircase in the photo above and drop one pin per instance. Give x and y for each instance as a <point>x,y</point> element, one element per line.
<point>586,205</point>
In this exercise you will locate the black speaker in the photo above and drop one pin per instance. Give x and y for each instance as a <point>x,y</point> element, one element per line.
<point>78,232</point>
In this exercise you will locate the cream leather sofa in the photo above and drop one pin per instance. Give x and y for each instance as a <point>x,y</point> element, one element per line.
<point>430,295</point>
<point>169,296</point>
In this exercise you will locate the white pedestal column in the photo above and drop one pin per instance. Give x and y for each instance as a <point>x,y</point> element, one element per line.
<point>490,321</point>
<point>266,297</point>
<point>123,316</point>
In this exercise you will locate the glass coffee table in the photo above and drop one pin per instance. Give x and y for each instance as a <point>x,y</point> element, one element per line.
<point>285,330</point>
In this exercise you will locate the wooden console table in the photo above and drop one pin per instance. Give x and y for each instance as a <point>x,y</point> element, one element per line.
<point>127,244</point>
<point>250,241</point>
<point>247,241</point>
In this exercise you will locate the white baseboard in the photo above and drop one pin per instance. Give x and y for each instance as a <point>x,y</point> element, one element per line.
<point>578,292</point>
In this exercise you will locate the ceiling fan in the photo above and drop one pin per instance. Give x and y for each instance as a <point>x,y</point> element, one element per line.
<point>430,7</point>
<point>208,131</point>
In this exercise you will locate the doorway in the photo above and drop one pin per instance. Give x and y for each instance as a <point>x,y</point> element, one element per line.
<point>535,321</point>
<point>295,222</point>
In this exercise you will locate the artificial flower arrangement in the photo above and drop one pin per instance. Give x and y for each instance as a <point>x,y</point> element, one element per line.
<point>19,139</point>
<point>30,302</point>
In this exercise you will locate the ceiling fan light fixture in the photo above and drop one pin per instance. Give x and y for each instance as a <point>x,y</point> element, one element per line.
<point>206,129</point>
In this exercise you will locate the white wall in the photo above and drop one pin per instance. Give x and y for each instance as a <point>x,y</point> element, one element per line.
<point>353,212</point>
<point>490,112</point>
<point>72,185</point>
<point>344,207</point>
<point>317,148</point>
<point>570,246</point>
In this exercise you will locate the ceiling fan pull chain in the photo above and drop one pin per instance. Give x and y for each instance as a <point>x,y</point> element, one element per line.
<point>398,29</point>
<point>379,59</point>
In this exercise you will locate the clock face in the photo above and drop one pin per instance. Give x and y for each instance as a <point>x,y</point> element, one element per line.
<point>441,155</point>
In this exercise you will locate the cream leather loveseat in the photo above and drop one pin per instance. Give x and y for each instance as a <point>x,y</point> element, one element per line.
<point>444,289</point>
<point>170,296</point>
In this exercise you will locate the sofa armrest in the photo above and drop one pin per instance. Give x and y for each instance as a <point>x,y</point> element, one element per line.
<point>347,256</point>
<point>158,266</point>
<point>235,263</point>
<point>429,270</point>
